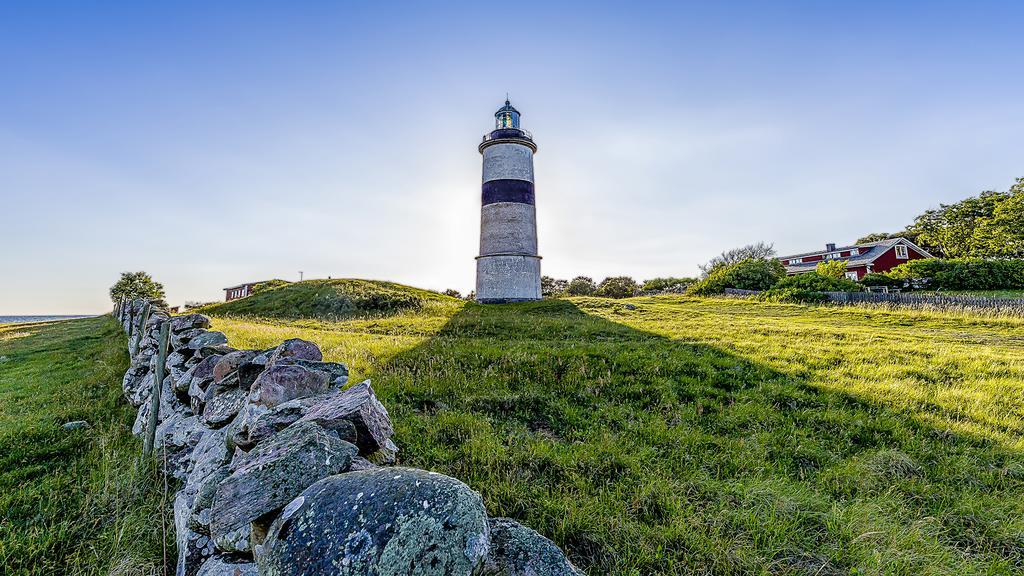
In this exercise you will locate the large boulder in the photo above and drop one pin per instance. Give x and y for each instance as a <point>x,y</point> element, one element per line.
<point>358,405</point>
<point>385,521</point>
<point>519,551</point>
<point>281,383</point>
<point>274,473</point>
<point>137,384</point>
<point>295,348</point>
<point>210,455</point>
<point>175,439</point>
<point>259,422</point>
<point>180,340</point>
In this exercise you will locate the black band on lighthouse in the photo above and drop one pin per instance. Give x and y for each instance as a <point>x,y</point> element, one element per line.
<point>519,191</point>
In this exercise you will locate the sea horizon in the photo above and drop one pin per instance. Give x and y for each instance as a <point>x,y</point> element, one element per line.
<point>28,318</point>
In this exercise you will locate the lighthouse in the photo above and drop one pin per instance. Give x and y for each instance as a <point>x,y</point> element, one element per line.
<point>508,267</point>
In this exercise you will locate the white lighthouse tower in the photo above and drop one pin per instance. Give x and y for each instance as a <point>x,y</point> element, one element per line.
<point>508,267</point>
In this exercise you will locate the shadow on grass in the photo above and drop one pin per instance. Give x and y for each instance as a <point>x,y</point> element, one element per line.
<point>644,455</point>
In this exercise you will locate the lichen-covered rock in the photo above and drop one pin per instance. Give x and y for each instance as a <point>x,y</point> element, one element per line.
<point>174,441</point>
<point>259,422</point>
<point>281,383</point>
<point>137,384</point>
<point>193,548</point>
<point>201,373</point>
<point>207,339</point>
<point>358,405</point>
<point>386,522</point>
<point>337,373</point>
<point>224,566</point>
<point>229,364</point>
<point>180,340</point>
<point>210,455</point>
<point>273,473</point>
<point>202,504</point>
<point>519,551</point>
<point>178,358</point>
<point>295,348</point>
<point>222,404</point>
<point>189,322</point>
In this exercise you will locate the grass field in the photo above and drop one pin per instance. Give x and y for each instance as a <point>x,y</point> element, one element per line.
<point>73,501</point>
<point>692,436</point>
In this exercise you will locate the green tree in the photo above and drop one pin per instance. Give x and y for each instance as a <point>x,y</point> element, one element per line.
<point>552,287</point>
<point>581,286</point>
<point>831,268</point>
<point>617,287</point>
<point>875,237</point>
<point>749,274</point>
<point>136,285</point>
<point>760,250</point>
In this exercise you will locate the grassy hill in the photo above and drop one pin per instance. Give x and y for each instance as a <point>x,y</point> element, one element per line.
<point>330,299</point>
<point>693,436</point>
<point>73,501</point>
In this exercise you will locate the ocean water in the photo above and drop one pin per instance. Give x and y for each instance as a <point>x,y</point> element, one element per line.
<point>23,319</point>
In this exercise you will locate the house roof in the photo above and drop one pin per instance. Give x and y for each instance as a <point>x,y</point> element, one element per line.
<point>869,252</point>
<point>244,284</point>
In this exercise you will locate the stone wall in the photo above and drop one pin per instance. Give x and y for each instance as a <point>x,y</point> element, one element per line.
<point>284,468</point>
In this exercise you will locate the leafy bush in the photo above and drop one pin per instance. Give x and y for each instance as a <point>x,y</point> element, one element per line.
<point>666,284</point>
<point>963,273</point>
<point>831,268</point>
<point>453,293</point>
<point>581,286</point>
<point>814,282</point>
<point>792,295</point>
<point>878,279</point>
<point>617,287</point>
<point>749,274</point>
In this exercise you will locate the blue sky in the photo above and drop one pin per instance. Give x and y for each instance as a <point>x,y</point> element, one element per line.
<point>211,145</point>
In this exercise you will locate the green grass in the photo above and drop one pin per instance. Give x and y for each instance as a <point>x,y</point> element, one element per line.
<point>78,501</point>
<point>331,299</point>
<point>985,293</point>
<point>700,436</point>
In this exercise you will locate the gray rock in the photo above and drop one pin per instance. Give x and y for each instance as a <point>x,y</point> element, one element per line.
<point>180,340</point>
<point>358,405</point>
<point>137,384</point>
<point>337,373</point>
<point>175,439</point>
<point>223,566</point>
<point>193,548</point>
<point>201,373</point>
<point>273,474</point>
<point>296,348</point>
<point>189,322</point>
<point>360,463</point>
<point>207,339</point>
<point>222,404</point>
<point>259,422</point>
<point>281,383</point>
<point>202,505</point>
<point>210,455</point>
<point>178,358</point>
<point>519,551</point>
<point>229,364</point>
<point>387,522</point>
<point>75,425</point>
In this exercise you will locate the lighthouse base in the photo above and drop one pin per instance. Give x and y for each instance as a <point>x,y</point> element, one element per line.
<point>502,278</point>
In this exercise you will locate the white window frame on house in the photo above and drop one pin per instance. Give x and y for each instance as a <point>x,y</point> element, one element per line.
<point>901,252</point>
<point>793,261</point>
<point>854,251</point>
<point>851,276</point>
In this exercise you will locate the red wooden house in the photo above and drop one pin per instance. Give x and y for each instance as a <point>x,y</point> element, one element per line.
<point>860,259</point>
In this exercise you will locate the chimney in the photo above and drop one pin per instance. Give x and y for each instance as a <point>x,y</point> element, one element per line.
<point>830,247</point>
